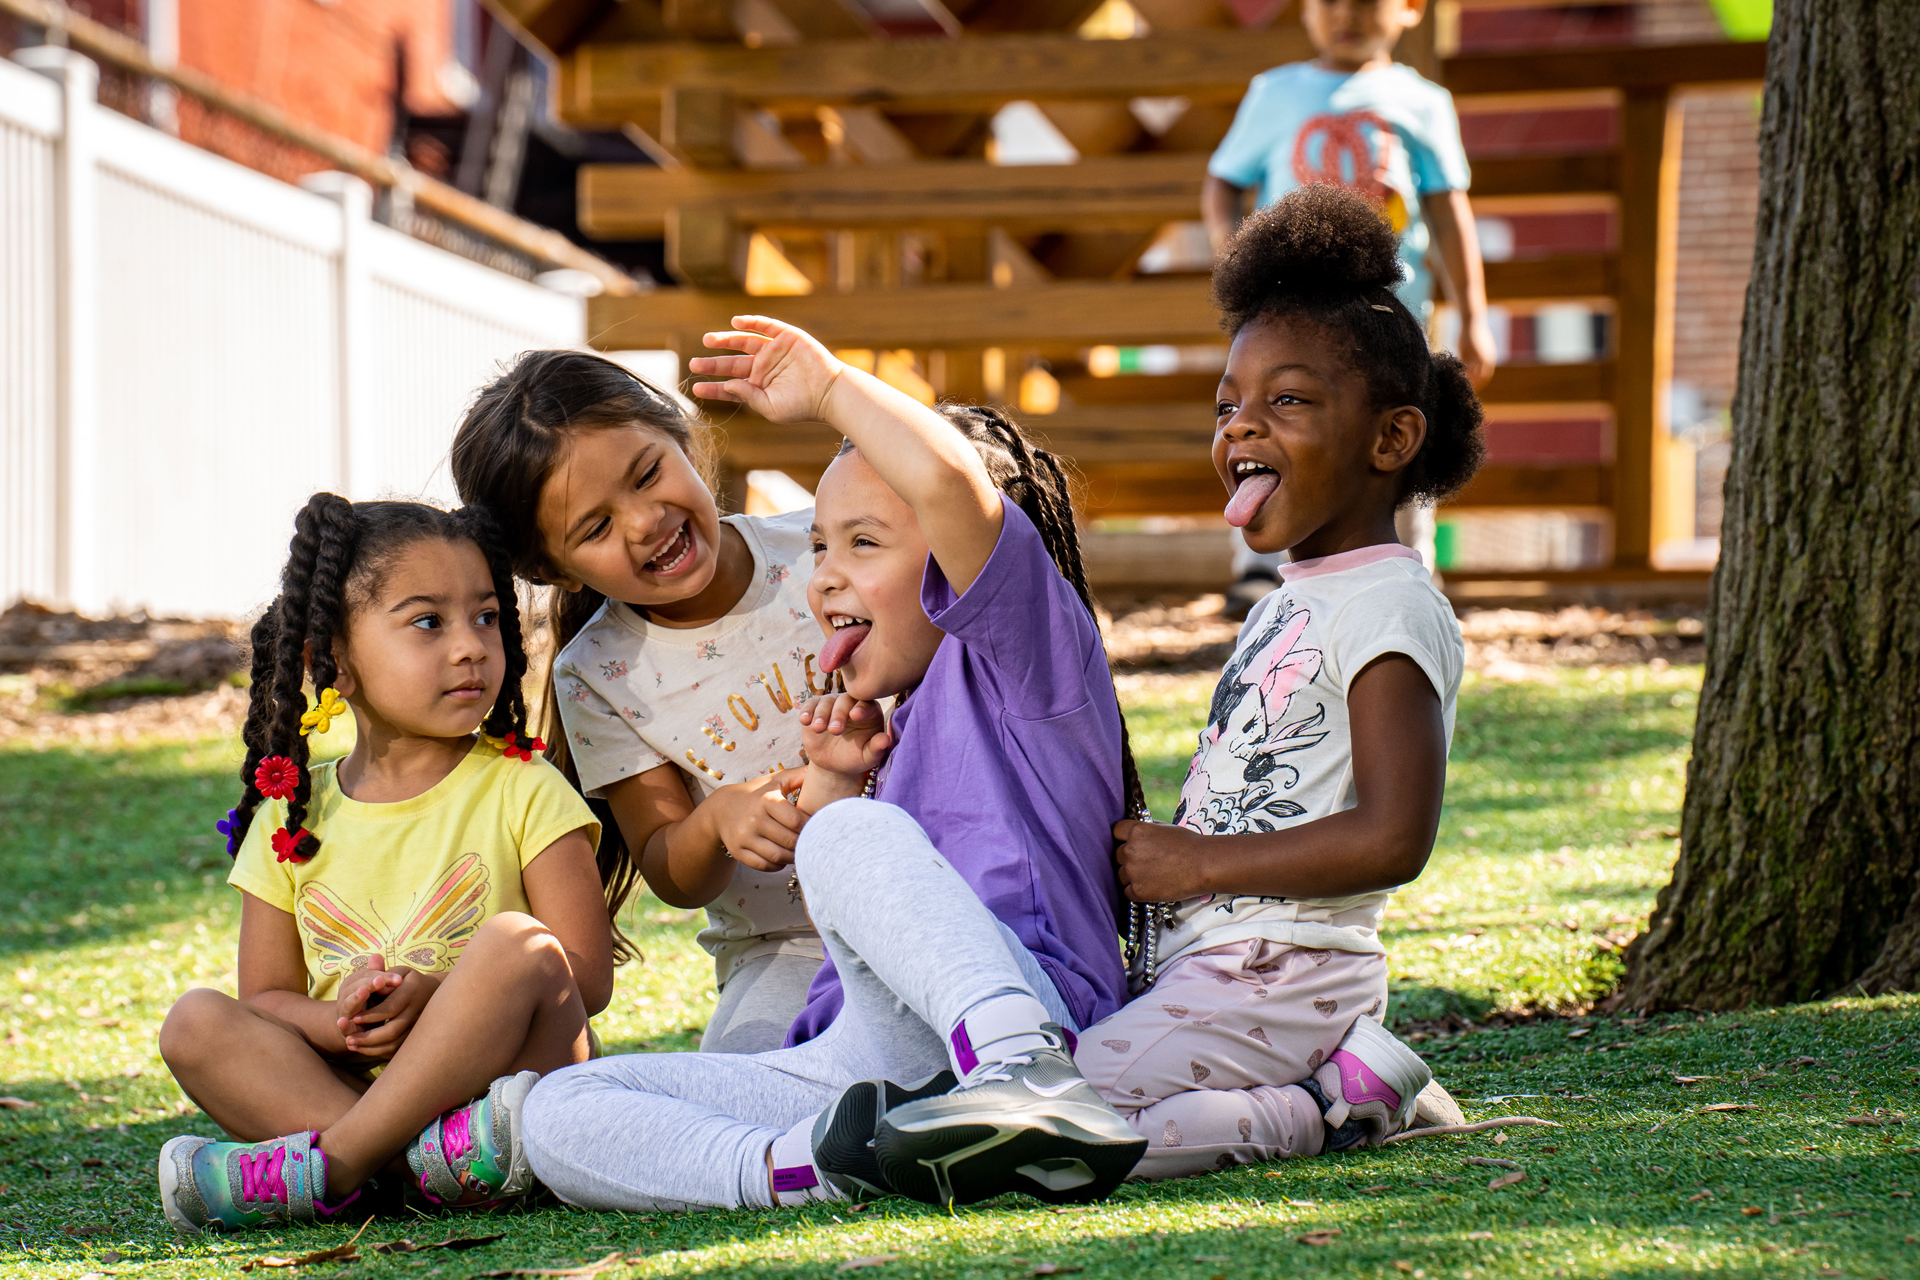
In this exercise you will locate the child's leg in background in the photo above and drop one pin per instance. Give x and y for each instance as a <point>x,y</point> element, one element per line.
<point>918,955</point>
<point>1204,1064</point>
<point>759,1002</point>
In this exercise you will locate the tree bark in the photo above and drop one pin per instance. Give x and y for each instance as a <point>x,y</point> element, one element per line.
<point>1800,842</point>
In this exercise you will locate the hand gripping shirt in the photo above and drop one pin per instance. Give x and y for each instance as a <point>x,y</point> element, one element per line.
<point>411,881</point>
<point>1277,749</point>
<point>1008,755</point>
<point>1390,135</point>
<point>718,702</point>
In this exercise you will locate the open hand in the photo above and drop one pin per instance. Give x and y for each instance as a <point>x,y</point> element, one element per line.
<point>378,1031</point>
<point>784,374</point>
<point>755,820</point>
<point>1158,862</point>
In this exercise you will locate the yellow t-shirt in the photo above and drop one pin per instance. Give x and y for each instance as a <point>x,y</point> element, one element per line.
<point>413,880</point>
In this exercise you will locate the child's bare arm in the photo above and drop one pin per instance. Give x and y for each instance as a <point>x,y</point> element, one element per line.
<point>787,376</point>
<point>564,893</point>
<point>273,976</point>
<point>1400,775</point>
<point>683,849</point>
<point>1221,205</point>
<point>1465,278</point>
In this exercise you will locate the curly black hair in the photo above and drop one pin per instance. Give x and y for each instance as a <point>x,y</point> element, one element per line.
<point>1326,256</point>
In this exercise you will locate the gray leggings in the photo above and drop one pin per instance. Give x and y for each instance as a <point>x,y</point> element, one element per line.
<point>758,1003</point>
<point>915,950</point>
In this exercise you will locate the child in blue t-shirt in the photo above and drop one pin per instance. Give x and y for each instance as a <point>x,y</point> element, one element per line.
<point>1354,118</point>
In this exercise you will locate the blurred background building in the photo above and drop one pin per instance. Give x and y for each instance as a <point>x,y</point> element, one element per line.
<point>280,243</point>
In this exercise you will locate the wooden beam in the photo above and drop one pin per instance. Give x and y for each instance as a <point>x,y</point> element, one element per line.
<point>1582,275</point>
<point>1629,68</point>
<point>1547,383</point>
<point>554,25</point>
<point>1139,311</point>
<point>1133,192</point>
<point>1588,486</point>
<point>602,84</point>
<point>697,123</point>
<point>1649,212</point>
<point>1595,173</point>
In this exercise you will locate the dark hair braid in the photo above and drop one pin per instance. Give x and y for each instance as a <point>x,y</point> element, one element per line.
<point>1038,485</point>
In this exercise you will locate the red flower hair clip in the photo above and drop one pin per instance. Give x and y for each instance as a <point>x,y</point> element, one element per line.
<point>287,843</point>
<point>277,777</point>
<point>515,752</point>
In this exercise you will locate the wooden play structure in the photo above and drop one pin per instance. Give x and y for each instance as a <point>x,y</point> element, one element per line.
<point>836,156</point>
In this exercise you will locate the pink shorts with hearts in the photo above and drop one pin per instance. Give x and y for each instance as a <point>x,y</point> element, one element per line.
<point>1202,1063</point>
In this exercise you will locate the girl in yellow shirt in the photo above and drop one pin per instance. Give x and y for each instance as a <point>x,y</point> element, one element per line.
<point>424,929</point>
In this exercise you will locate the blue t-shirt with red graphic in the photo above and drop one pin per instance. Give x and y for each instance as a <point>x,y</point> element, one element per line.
<point>1390,134</point>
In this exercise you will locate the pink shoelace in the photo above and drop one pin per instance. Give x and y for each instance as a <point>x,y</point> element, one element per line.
<point>260,1176</point>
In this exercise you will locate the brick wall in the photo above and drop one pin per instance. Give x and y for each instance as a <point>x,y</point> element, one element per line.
<point>1719,196</point>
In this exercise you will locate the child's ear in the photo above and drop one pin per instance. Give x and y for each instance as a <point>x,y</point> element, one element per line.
<point>1402,432</point>
<point>343,674</point>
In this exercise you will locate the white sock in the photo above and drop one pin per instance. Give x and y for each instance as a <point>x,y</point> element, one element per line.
<point>997,1029</point>
<point>795,1180</point>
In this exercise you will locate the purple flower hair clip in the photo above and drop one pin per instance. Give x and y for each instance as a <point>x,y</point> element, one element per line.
<point>229,827</point>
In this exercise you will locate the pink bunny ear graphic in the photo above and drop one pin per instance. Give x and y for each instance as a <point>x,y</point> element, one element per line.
<point>1281,670</point>
<point>1275,649</point>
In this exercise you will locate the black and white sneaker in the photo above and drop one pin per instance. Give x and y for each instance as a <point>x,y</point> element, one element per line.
<point>1030,1124</point>
<point>843,1133</point>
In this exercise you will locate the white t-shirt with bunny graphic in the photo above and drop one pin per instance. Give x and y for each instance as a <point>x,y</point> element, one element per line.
<point>720,703</point>
<point>1277,749</point>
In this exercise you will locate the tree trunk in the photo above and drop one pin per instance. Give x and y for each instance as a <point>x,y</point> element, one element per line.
<point>1800,844</point>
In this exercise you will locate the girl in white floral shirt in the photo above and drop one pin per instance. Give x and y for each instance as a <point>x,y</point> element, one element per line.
<point>686,643</point>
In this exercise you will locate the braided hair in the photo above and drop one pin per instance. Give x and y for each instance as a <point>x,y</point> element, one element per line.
<point>339,556</point>
<point>1038,485</point>
<point>1324,255</point>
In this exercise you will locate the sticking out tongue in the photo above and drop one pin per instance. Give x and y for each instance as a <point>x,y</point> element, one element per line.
<point>841,644</point>
<point>1252,494</point>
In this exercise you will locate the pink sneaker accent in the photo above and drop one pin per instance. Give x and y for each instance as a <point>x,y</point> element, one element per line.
<point>1359,1084</point>
<point>260,1177</point>
<point>456,1134</point>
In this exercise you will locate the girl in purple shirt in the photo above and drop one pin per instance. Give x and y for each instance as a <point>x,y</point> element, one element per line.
<point>956,861</point>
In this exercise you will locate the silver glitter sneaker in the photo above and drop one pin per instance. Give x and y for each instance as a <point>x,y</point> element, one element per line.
<point>1030,1124</point>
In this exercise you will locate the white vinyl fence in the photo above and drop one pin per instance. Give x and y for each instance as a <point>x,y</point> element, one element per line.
<point>188,349</point>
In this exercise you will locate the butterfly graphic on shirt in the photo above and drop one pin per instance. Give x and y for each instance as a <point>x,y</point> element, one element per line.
<point>437,926</point>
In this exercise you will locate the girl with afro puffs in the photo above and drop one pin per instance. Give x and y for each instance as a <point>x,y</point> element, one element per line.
<point>1260,982</point>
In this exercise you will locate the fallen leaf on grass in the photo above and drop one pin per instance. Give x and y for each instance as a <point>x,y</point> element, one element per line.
<point>1506,1180</point>
<point>1071,1208</point>
<point>109,1257</point>
<point>17,1104</point>
<point>340,1253</point>
<point>1499,1138</point>
<point>1479,1235</point>
<point>870,1260</point>
<point>1055,1269</point>
<point>93,1162</point>
<point>1577,1032</point>
<point>590,1269</point>
<point>453,1244</point>
<point>1401,1264</point>
<point>1490,1162</point>
<point>1704,1195</point>
<point>1319,1238</point>
<point>1875,1120</point>
<point>1730,1106</point>
<point>1692,1079</point>
<point>1753,1211</point>
<point>1831,1271</point>
<point>1367,1191</point>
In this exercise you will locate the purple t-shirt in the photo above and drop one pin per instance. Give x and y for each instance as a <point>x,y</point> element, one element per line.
<point>1008,754</point>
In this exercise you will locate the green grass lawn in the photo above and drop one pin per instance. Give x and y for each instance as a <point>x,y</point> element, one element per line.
<point>1562,802</point>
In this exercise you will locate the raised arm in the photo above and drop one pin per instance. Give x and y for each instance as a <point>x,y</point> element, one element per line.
<point>785,375</point>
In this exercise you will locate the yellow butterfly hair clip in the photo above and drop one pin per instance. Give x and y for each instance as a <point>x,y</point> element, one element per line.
<point>320,718</point>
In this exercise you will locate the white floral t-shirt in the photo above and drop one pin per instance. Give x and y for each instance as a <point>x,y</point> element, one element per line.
<point>720,703</point>
<point>1277,749</point>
